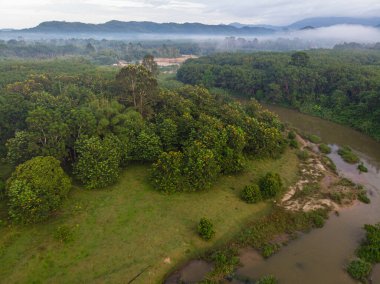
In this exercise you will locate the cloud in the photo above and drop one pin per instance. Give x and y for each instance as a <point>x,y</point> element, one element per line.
<point>26,13</point>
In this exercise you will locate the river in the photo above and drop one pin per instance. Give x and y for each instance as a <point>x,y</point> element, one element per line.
<point>320,257</point>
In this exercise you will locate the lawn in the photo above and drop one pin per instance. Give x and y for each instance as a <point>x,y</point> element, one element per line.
<point>129,228</point>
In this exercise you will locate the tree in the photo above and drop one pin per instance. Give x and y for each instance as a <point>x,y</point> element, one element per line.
<point>150,64</point>
<point>98,163</point>
<point>251,194</point>
<point>201,167</point>
<point>139,86</point>
<point>206,229</point>
<point>36,189</point>
<point>167,130</point>
<point>167,174</point>
<point>300,59</point>
<point>147,146</point>
<point>18,148</point>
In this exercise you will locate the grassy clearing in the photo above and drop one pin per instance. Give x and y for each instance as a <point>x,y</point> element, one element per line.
<point>117,233</point>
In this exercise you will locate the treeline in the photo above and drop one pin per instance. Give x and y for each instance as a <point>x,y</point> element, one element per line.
<point>103,52</point>
<point>342,85</point>
<point>94,128</point>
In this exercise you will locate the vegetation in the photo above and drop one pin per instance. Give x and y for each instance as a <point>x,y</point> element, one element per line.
<point>347,155</point>
<point>359,269</point>
<point>270,185</point>
<point>314,139</point>
<point>362,168</point>
<point>36,189</point>
<point>206,229</point>
<point>339,85</point>
<point>368,254</point>
<point>325,149</point>
<point>251,194</point>
<point>270,279</point>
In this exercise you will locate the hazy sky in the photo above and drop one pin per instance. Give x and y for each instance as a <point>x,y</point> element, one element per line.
<point>28,13</point>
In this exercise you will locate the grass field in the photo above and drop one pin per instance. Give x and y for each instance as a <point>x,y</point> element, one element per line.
<point>119,232</point>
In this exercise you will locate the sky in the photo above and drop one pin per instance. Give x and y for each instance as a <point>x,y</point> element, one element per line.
<point>29,13</point>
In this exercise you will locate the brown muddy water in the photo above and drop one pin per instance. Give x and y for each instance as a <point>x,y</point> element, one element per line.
<point>319,257</point>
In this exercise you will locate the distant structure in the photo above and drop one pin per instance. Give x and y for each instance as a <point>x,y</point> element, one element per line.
<point>161,62</point>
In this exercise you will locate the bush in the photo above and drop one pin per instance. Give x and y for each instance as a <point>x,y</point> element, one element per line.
<point>36,189</point>
<point>99,161</point>
<point>293,144</point>
<point>359,269</point>
<point>370,249</point>
<point>270,185</point>
<point>325,149</point>
<point>347,155</point>
<point>270,279</point>
<point>318,220</point>
<point>362,168</point>
<point>303,155</point>
<point>251,194</point>
<point>314,139</point>
<point>362,197</point>
<point>292,135</point>
<point>225,261</point>
<point>63,234</point>
<point>269,249</point>
<point>206,229</point>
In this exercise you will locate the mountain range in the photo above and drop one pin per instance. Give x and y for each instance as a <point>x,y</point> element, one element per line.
<point>135,28</point>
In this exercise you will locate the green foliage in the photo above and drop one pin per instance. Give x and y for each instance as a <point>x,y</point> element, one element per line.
<point>269,249</point>
<point>251,194</point>
<point>98,163</point>
<point>270,279</point>
<point>359,269</point>
<point>362,168</point>
<point>270,185</point>
<point>293,144</point>
<point>167,173</point>
<point>292,135</point>
<point>303,155</point>
<point>225,261</point>
<point>329,163</point>
<point>325,149</point>
<point>147,147</point>
<point>36,189</point>
<point>300,59</point>
<point>201,167</point>
<point>347,155</point>
<point>314,139</point>
<point>167,130</point>
<point>64,234</point>
<point>362,197</point>
<point>370,248</point>
<point>206,229</point>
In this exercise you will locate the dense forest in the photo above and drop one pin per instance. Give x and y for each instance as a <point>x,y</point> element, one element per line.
<point>97,123</point>
<point>341,85</point>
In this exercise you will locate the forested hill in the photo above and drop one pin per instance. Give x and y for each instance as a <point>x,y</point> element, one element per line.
<point>342,86</point>
<point>145,28</point>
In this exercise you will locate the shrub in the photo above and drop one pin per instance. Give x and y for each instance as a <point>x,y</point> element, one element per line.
<point>362,197</point>
<point>225,261</point>
<point>329,163</point>
<point>314,139</point>
<point>36,189</point>
<point>292,135</point>
<point>251,194</point>
<point>362,168</point>
<point>206,229</point>
<point>269,249</point>
<point>270,185</point>
<point>303,155</point>
<point>99,160</point>
<point>347,155</point>
<point>325,149</point>
<point>293,144</point>
<point>63,234</point>
<point>370,249</point>
<point>318,220</point>
<point>359,269</point>
<point>270,279</point>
